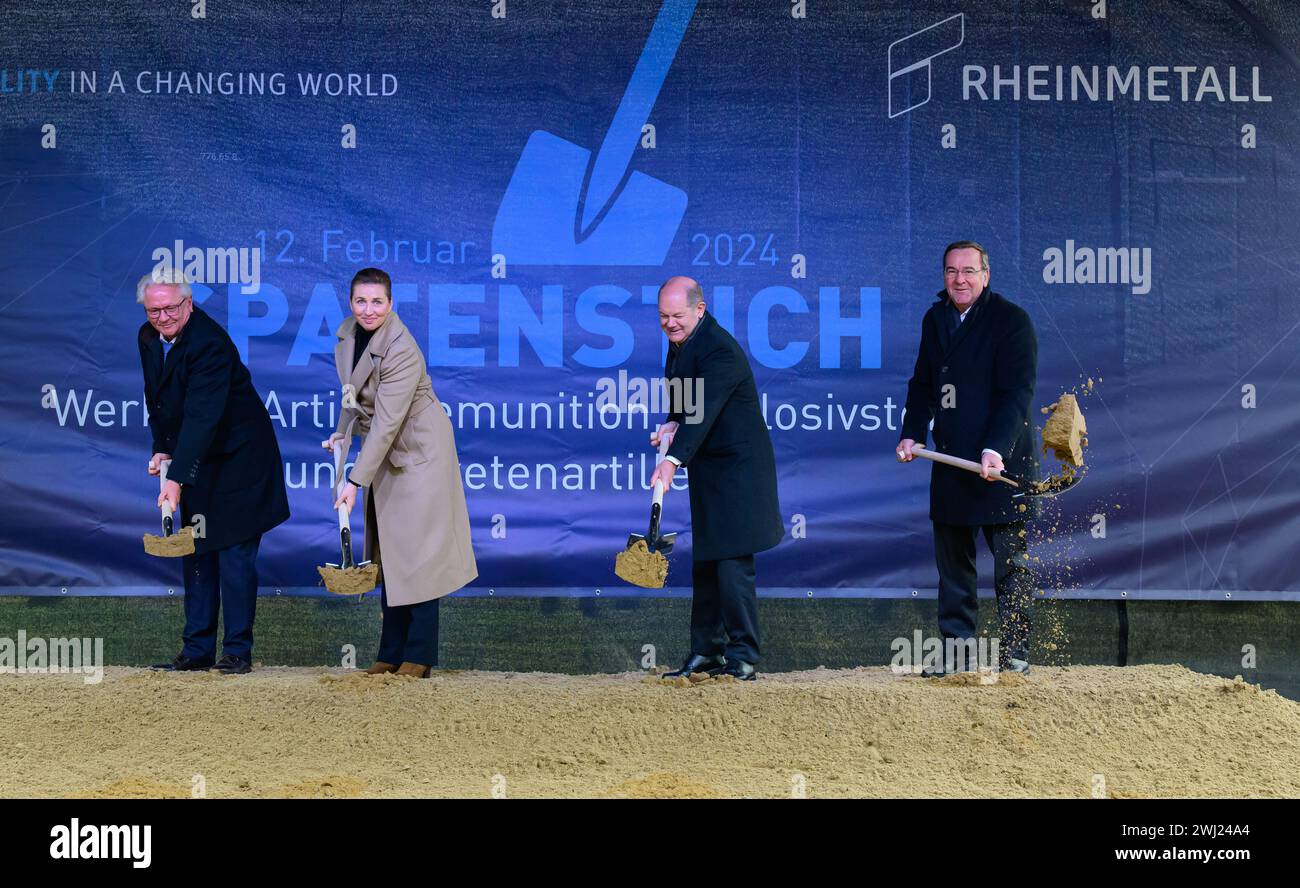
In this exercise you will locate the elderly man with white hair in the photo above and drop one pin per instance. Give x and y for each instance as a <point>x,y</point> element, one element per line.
<point>226,478</point>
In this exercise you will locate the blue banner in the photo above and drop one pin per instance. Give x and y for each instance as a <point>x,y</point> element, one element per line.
<point>530,172</point>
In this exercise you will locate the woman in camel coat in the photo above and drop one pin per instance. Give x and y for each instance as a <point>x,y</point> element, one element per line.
<point>417,524</point>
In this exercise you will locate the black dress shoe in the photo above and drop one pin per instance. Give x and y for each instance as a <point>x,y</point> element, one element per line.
<point>697,663</point>
<point>737,669</point>
<point>230,665</point>
<point>183,663</point>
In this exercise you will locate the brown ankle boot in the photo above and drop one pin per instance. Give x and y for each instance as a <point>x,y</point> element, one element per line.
<point>415,669</point>
<point>380,668</point>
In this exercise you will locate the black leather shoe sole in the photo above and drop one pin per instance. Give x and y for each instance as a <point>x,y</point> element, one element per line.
<point>708,667</point>
<point>237,668</point>
<point>186,666</point>
<point>735,672</point>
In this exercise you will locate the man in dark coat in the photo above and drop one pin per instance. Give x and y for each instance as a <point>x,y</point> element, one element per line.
<point>723,441</point>
<point>974,377</point>
<point>226,477</point>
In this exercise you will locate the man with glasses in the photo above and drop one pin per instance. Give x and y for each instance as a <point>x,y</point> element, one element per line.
<point>226,478</point>
<point>974,377</point>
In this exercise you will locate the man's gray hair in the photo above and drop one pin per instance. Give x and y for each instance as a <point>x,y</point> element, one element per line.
<point>694,295</point>
<point>171,276</point>
<point>967,245</point>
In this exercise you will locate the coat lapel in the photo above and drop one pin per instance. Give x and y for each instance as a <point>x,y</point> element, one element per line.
<point>172,359</point>
<point>674,367</point>
<point>964,328</point>
<point>941,331</point>
<point>364,367</point>
<point>352,373</point>
<point>155,358</point>
<point>344,351</point>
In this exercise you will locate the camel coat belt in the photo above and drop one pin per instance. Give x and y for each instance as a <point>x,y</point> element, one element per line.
<point>416,520</point>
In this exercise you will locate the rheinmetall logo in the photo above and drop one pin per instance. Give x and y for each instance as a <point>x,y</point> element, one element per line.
<point>1110,83</point>
<point>911,77</point>
<point>911,56</point>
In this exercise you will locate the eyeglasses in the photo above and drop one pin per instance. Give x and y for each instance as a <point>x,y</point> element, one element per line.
<point>172,311</point>
<point>968,272</point>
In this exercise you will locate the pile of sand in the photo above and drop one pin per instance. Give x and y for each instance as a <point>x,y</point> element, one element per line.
<point>982,677</point>
<point>694,680</point>
<point>661,786</point>
<point>1148,730</point>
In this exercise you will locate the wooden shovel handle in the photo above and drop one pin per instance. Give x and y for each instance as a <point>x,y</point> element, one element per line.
<point>163,466</point>
<point>956,461</point>
<point>341,460</point>
<point>658,498</point>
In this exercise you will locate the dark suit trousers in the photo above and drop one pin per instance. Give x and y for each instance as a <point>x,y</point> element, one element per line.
<point>1014,582</point>
<point>724,609</point>
<point>409,633</point>
<point>225,579</point>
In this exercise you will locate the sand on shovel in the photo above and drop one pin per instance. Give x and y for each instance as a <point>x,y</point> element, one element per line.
<point>351,580</point>
<point>639,566</point>
<point>1065,430</point>
<point>174,546</point>
<point>1065,434</point>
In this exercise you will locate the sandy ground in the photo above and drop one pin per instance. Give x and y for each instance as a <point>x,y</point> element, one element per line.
<point>1148,730</point>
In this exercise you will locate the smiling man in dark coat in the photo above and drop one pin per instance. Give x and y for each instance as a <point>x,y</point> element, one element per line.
<point>975,375</point>
<point>724,444</point>
<point>207,418</point>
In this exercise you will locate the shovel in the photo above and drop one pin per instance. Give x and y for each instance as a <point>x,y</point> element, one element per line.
<point>644,562</point>
<point>171,544</point>
<point>1049,488</point>
<point>565,207</point>
<point>347,577</point>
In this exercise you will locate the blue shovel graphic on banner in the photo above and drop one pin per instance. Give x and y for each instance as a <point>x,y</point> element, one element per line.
<point>563,207</point>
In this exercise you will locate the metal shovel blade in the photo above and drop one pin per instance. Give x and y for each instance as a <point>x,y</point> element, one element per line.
<point>654,540</point>
<point>663,543</point>
<point>1048,492</point>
